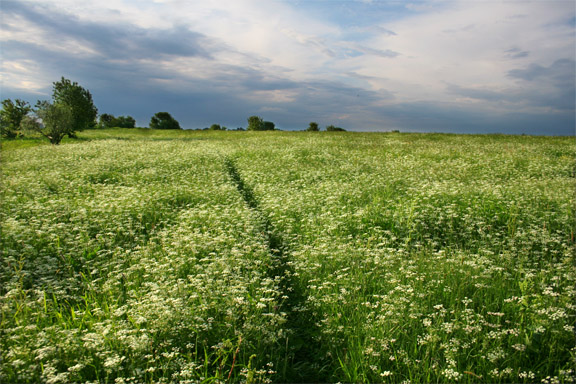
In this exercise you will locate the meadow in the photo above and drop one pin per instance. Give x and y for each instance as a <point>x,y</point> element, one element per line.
<point>135,255</point>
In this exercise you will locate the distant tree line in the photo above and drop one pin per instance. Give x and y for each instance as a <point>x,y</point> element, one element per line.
<point>256,123</point>
<point>72,109</point>
<point>313,127</point>
<point>110,121</point>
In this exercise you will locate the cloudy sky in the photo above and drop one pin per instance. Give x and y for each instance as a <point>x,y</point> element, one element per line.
<point>366,65</point>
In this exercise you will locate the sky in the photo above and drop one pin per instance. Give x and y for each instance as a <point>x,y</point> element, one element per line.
<point>467,66</point>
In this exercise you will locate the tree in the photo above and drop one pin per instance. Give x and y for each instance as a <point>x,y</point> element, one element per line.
<point>217,127</point>
<point>110,121</point>
<point>106,120</point>
<point>313,127</point>
<point>54,121</point>
<point>331,128</point>
<point>163,120</point>
<point>79,100</point>
<point>125,122</point>
<point>268,126</point>
<point>11,116</point>
<point>255,123</point>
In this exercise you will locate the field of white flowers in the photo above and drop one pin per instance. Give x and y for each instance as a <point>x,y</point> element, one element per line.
<point>142,256</point>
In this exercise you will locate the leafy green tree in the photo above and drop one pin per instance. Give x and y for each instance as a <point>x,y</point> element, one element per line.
<point>110,121</point>
<point>216,127</point>
<point>331,128</point>
<point>313,127</point>
<point>79,100</point>
<point>106,120</point>
<point>125,122</point>
<point>54,121</point>
<point>268,126</point>
<point>255,123</point>
<point>11,116</point>
<point>163,120</point>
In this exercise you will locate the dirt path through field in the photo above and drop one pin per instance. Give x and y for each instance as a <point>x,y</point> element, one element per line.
<point>300,344</point>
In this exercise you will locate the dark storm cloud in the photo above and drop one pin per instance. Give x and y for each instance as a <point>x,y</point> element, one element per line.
<point>556,83</point>
<point>112,41</point>
<point>560,72</point>
<point>455,118</point>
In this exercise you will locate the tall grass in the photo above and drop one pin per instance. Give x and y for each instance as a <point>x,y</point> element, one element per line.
<point>150,256</point>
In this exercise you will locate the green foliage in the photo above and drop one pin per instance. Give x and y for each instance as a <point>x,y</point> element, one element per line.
<point>255,123</point>
<point>110,121</point>
<point>106,121</point>
<point>313,127</point>
<point>125,122</point>
<point>217,127</point>
<point>163,120</point>
<point>268,126</point>
<point>332,128</point>
<point>11,116</point>
<point>56,121</point>
<point>79,100</point>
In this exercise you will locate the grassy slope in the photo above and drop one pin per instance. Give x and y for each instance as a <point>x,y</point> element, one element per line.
<point>292,256</point>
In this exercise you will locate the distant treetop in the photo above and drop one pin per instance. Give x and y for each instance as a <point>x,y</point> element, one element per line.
<point>255,123</point>
<point>163,120</point>
<point>331,128</point>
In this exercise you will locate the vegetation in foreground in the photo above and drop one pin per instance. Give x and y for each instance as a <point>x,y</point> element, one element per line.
<point>161,256</point>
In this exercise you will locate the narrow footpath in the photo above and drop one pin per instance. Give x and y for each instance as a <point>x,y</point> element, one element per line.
<point>303,362</point>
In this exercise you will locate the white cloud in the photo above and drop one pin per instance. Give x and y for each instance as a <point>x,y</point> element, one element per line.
<point>466,44</point>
